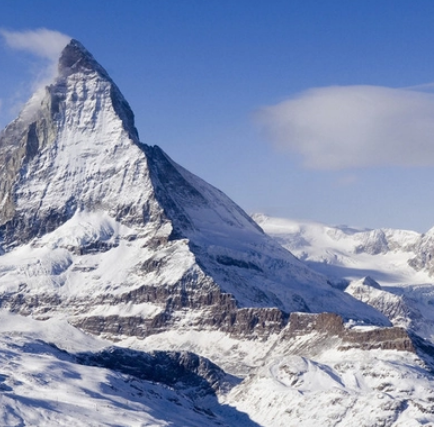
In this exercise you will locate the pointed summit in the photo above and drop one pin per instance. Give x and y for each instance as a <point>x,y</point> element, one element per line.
<point>59,145</point>
<point>76,58</point>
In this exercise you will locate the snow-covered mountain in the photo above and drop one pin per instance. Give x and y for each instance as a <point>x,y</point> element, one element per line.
<point>214,321</point>
<point>51,374</point>
<point>391,257</point>
<point>87,209</point>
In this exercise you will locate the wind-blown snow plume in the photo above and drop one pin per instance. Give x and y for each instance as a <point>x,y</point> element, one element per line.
<point>341,127</point>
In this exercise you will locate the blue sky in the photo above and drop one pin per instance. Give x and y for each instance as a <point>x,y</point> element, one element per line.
<point>306,109</point>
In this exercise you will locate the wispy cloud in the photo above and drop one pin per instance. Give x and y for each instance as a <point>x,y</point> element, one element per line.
<point>45,46</point>
<point>342,127</point>
<point>42,43</point>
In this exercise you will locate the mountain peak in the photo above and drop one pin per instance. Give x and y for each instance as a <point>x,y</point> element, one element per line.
<point>75,57</point>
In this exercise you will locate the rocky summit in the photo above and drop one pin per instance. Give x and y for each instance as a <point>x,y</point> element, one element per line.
<point>110,236</point>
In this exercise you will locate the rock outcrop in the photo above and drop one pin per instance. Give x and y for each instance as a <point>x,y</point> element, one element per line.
<point>332,325</point>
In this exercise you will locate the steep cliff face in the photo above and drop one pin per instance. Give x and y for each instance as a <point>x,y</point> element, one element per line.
<point>330,325</point>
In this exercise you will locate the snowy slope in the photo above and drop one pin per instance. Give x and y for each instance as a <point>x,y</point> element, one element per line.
<point>306,380</point>
<point>43,382</point>
<point>339,388</point>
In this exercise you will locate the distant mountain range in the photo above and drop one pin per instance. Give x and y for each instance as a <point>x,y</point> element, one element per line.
<point>388,269</point>
<point>389,256</point>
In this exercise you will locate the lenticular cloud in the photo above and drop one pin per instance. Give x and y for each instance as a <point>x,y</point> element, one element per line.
<point>342,127</point>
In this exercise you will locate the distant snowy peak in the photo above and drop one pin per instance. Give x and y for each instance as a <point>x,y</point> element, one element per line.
<point>424,253</point>
<point>361,239</point>
<point>390,256</point>
<point>391,270</point>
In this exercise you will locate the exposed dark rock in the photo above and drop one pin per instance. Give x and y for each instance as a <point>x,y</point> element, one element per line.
<point>20,143</point>
<point>31,304</point>
<point>225,260</point>
<point>218,311</point>
<point>185,371</point>
<point>331,324</point>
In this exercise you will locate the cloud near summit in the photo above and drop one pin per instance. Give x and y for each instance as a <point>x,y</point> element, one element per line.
<point>344,127</point>
<point>40,42</point>
<point>43,44</point>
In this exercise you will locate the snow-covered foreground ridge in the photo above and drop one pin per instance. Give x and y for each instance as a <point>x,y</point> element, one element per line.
<point>104,234</point>
<point>53,375</point>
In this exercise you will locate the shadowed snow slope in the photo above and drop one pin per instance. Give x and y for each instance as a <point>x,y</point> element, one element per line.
<point>53,375</point>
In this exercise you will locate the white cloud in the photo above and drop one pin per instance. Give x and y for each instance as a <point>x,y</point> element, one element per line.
<point>341,127</point>
<point>41,42</point>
